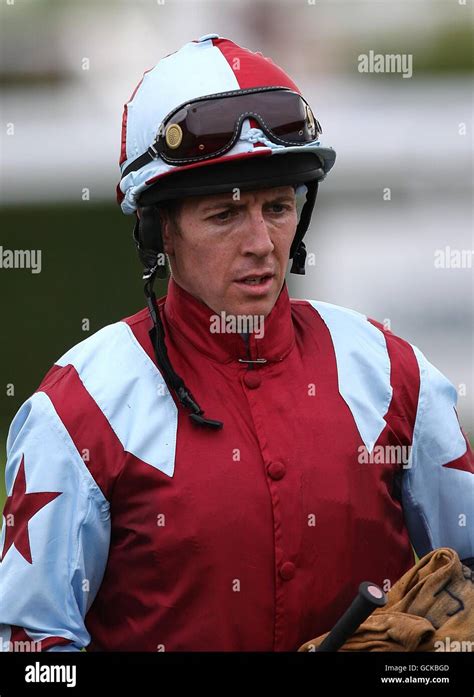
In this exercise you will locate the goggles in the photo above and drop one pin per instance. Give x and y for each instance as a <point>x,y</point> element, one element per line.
<point>209,126</point>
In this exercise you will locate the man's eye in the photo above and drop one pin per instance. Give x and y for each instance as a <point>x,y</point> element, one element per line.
<point>223,215</point>
<point>278,205</point>
<point>280,208</point>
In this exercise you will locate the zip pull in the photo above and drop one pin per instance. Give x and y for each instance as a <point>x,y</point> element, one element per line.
<point>256,360</point>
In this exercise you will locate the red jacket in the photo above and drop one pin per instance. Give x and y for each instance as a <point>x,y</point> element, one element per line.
<point>252,537</point>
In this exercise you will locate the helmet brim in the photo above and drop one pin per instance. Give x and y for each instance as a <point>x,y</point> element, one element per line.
<point>297,166</point>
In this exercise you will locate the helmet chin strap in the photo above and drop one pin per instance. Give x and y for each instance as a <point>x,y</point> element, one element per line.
<point>299,259</point>
<point>149,242</point>
<point>298,247</point>
<point>173,380</point>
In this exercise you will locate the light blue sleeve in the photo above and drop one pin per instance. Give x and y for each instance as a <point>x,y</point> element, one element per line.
<point>438,482</point>
<point>55,536</point>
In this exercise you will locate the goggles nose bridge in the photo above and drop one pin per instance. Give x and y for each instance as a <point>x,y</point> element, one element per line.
<point>248,116</point>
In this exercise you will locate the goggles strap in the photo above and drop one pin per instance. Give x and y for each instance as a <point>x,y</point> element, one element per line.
<point>148,156</point>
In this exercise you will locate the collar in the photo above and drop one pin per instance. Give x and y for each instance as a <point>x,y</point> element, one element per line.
<point>190,320</point>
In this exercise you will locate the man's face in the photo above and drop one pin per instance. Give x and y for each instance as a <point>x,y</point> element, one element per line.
<point>220,241</point>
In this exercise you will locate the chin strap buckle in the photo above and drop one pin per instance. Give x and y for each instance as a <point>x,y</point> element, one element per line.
<point>299,259</point>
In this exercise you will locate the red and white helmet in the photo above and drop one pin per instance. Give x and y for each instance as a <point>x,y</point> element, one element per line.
<point>208,119</point>
<point>208,65</point>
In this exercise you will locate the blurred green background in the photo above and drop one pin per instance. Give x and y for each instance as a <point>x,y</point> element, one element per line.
<point>90,270</point>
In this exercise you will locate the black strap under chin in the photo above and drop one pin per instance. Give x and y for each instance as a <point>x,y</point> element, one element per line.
<point>172,379</point>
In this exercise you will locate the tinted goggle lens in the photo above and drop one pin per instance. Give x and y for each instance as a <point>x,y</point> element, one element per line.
<point>205,127</point>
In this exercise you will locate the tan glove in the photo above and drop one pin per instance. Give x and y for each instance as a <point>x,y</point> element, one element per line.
<point>430,608</point>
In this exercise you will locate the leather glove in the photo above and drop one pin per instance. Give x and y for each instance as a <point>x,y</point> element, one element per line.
<point>430,608</point>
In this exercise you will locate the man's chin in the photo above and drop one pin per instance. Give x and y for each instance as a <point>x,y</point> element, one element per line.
<point>251,300</point>
<point>253,306</point>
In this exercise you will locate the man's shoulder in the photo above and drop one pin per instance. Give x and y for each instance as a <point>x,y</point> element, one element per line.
<point>364,346</point>
<point>82,407</point>
<point>105,363</point>
<point>329,311</point>
<point>108,388</point>
<point>350,324</point>
<point>378,373</point>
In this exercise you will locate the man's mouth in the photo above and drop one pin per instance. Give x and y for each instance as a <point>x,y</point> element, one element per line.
<point>256,285</point>
<point>256,281</point>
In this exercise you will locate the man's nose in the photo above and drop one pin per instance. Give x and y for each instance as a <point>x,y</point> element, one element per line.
<point>257,238</point>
